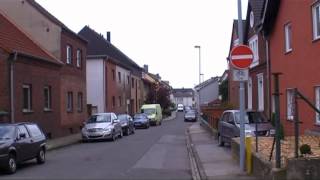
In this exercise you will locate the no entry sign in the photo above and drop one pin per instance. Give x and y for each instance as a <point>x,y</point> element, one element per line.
<point>241,57</point>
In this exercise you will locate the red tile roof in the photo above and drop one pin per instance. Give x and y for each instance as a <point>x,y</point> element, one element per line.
<point>13,39</point>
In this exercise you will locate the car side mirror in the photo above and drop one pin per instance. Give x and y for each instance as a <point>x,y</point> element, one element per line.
<point>22,135</point>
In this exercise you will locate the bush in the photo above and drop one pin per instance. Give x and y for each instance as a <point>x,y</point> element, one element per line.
<point>166,112</point>
<point>305,149</point>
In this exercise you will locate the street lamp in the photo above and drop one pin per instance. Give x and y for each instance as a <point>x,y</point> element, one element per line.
<point>198,47</point>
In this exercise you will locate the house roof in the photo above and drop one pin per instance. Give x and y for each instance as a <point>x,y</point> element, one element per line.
<point>13,39</point>
<point>270,13</point>
<point>207,82</point>
<point>98,45</point>
<point>53,19</point>
<point>183,92</point>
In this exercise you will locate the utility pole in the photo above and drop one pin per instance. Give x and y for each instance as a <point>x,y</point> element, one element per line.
<point>241,91</point>
<point>199,47</point>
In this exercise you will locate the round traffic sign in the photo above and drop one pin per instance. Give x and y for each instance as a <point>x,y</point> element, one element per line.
<point>241,57</point>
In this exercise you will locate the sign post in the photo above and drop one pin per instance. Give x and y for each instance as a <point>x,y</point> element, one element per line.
<point>241,58</point>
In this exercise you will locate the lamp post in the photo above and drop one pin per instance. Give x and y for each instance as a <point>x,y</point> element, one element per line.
<point>199,47</point>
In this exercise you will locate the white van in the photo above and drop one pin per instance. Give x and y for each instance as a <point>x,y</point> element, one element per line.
<point>180,107</point>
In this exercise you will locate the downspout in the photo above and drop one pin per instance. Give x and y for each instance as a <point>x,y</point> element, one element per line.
<point>11,60</point>
<point>269,77</point>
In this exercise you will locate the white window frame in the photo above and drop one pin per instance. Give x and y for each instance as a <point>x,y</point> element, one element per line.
<point>29,98</point>
<point>316,25</point>
<point>288,37</point>
<point>249,93</point>
<point>317,103</point>
<point>290,104</point>
<point>79,57</point>
<point>69,54</point>
<point>260,85</point>
<point>254,45</point>
<point>47,105</point>
<point>69,101</point>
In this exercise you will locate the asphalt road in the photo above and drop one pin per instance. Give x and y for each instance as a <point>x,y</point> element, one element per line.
<point>156,153</point>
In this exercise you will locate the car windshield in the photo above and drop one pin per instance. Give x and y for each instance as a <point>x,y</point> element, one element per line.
<point>122,117</point>
<point>139,116</point>
<point>237,118</point>
<point>190,113</point>
<point>258,117</point>
<point>148,111</point>
<point>99,118</point>
<point>6,132</point>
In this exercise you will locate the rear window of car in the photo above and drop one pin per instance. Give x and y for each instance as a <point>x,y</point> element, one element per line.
<point>34,130</point>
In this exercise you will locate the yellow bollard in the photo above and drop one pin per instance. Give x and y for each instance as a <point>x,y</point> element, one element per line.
<point>248,154</point>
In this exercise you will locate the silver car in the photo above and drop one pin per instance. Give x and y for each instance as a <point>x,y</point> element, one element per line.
<point>102,126</point>
<point>229,125</point>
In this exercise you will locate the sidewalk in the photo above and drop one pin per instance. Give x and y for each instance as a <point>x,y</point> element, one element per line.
<point>75,138</point>
<point>212,161</point>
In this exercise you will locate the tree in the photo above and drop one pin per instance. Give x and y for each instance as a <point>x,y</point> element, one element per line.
<point>223,90</point>
<point>159,94</point>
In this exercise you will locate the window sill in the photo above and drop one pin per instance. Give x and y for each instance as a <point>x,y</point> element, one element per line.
<point>80,111</point>
<point>70,111</point>
<point>254,64</point>
<point>27,111</point>
<point>316,40</point>
<point>288,52</point>
<point>47,110</point>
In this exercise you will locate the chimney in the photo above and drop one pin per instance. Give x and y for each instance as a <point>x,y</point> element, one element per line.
<point>146,68</point>
<point>108,36</point>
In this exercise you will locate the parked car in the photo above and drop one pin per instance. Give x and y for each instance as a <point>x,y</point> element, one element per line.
<point>102,126</point>
<point>141,121</point>
<point>154,113</point>
<point>229,125</point>
<point>21,142</point>
<point>190,116</point>
<point>127,125</point>
<point>180,107</point>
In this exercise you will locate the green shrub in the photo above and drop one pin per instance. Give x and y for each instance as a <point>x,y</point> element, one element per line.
<point>305,149</point>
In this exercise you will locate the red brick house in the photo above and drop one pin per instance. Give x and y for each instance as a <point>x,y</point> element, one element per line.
<point>66,46</point>
<point>257,96</point>
<point>29,79</point>
<point>294,51</point>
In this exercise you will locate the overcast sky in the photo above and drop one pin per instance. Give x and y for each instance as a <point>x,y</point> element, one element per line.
<point>160,33</point>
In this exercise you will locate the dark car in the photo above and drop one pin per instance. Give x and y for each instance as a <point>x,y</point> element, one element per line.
<point>229,125</point>
<point>141,121</point>
<point>21,142</point>
<point>190,116</point>
<point>127,125</point>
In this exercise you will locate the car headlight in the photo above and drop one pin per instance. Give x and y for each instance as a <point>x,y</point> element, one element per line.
<point>125,124</point>
<point>107,129</point>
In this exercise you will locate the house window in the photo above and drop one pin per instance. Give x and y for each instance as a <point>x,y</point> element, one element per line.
<point>80,102</point>
<point>290,104</point>
<point>260,92</point>
<point>288,37</point>
<point>69,54</point>
<point>317,104</point>
<point>79,58</point>
<point>128,80</point>
<point>47,98</point>
<point>113,101</point>
<point>120,101</point>
<point>132,82</point>
<point>113,74</point>
<point>316,21</point>
<point>253,43</point>
<point>250,93</point>
<point>27,98</point>
<point>119,77</point>
<point>69,101</point>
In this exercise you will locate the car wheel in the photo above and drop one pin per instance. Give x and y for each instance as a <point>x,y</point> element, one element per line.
<point>113,138</point>
<point>132,131</point>
<point>12,164</point>
<point>127,131</point>
<point>220,141</point>
<point>41,157</point>
<point>121,134</point>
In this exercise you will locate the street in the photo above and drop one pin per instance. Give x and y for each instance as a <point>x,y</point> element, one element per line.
<point>159,152</point>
